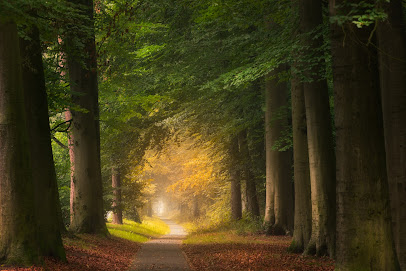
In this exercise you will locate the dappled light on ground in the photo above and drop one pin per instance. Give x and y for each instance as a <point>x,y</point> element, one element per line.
<point>137,232</point>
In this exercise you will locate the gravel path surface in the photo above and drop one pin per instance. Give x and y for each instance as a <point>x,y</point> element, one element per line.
<point>163,253</point>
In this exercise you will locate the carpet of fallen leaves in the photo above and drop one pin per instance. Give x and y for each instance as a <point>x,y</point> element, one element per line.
<point>269,255</point>
<point>89,252</point>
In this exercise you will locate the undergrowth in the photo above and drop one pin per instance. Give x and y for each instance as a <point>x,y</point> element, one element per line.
<point>246,225</point>
<point>139,232</point>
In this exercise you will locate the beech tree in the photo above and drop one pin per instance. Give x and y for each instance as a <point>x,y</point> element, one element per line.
<point>18,224</point>
<point>250,186</point>
<point>319,134</point>
<point>87,190</point>
<point>47,205</point>
<point>303,214</point>
<point>279,187</point>
<point>392,71</point>
<point>364,233</point>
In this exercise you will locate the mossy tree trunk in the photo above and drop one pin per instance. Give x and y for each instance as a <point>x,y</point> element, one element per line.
<point>87,191</point>
<point>19,242</point>
<point>46,194</point>
<point>392,62</point>
<point>364,230</point>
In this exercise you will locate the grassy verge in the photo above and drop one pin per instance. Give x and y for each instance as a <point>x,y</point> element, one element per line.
<point>137,232</point>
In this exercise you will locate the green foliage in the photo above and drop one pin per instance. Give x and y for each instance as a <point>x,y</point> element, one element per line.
<point>62,168</point>
<point>363,13</point>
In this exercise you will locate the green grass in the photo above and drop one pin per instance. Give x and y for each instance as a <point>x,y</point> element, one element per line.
<point>223,237</point>
<point>139,232</point>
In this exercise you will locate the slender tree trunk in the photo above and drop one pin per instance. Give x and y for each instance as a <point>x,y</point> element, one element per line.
<point>196,210</point>
<point>117,208</point>
<point>250,186</point>
<point>269,218</point>
<point>303,211</point>
<point>392,60</point>
<point>87,202</point>
<point>46,194</point>
<point>149,209</point>
<point>279,181</point>
<point>364,233</point>
<point>71,142</point>
<point>235,174</point>
<point>18,225</point>
<point>320,141</point>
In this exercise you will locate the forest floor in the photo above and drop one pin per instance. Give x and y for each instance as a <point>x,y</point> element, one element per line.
<point>85,252</point>
<point>92,253</point>
<point>219,250</point>
<point>230,251</point>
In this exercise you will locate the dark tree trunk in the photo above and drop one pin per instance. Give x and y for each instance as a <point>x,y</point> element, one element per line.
<point>392,58</point>
<point>235,175</point>
<point>87,202</point>
<point>250,186</point>
<point>303,211</point>
<point>364,233</point>
<point>18,225</point>
<point>117,208</point>
<point>279,178</point>
<point>319,133</point>
<point>46,194</point>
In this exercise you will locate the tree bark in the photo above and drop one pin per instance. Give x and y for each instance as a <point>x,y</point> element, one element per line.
<point>18,225</point>
<point>117,208</point>
<point>392,63</point>
<point>364,233</point>
<point>250,186</point>
<point>235,175</point>
<point>46,194</point>
<point>319,134</point>
<point>269,218</point>
<point>279,178</point>
<point>87,202</point>
<point>303,211</point>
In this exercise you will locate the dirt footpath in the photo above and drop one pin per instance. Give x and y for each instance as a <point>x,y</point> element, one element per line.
<point>163,253</point>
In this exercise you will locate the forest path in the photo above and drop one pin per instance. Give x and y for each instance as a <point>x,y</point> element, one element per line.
<point>163,253</point>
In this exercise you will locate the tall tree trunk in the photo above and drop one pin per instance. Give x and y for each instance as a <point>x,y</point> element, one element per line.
<point>364,233</point>
<point>18,225</point>
<point>319,134</point>
<point>235,174</point>
<point>303,208</point>
<point>250,186</point>
<point>392,63</point>
<point>71,142</point>
<point>279,180</point>
<point>117,208</point>
<point>269,218</point>
<point>87,204</point>
<point>46,194</point>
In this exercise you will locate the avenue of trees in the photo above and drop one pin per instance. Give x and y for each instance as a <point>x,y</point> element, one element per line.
<point>290,114</point>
